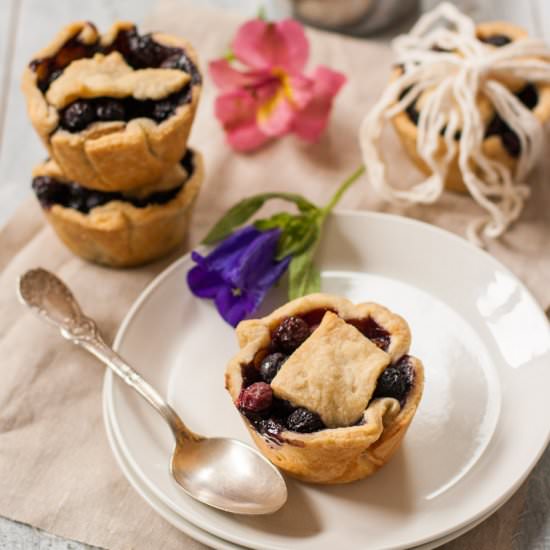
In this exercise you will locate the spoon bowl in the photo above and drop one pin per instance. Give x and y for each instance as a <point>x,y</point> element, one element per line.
<point>224,473</point>
<point>228,465</point>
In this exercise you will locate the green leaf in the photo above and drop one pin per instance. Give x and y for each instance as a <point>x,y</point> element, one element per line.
<point>234,217</point>
<point>301,202</point>
<point>304,277</point>
<point>245,209</point>
<point>279,220</point>
<point>298,237</point>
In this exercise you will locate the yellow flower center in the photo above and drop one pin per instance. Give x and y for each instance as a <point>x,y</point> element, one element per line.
<point>284,91</point>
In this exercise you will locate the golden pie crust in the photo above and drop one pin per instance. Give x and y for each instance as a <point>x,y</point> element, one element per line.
<point>337,455</point>
<point>115,155</point>
<point>492,145</point>
<point>119,234</point>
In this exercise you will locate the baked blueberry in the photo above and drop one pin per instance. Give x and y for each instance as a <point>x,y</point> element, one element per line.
<point>290,334</point>
<point>255,398</point>
<point>304,421</point>
<point>110,109</point>
<point>77,115</point>
<point>395,381</point>
<point>270,366</point>
<point>144,51</point>
<point>497,40</point>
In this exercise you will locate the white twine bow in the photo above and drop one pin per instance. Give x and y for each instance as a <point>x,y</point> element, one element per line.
<point>455,78</point>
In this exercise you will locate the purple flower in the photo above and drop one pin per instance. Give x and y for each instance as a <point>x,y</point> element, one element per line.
<point>238,273</point>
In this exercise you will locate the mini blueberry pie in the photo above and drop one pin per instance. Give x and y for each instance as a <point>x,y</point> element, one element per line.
<point>114,110</point>
<point>501,143</point>
<point>326,388</point>
<point>120,229</point>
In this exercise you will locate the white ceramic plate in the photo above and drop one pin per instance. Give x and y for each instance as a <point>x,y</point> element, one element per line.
<point>149,497</point>
<point>479,430</point>
<point>203,536</point>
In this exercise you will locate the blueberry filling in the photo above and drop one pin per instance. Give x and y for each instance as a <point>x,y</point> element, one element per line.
<point>304,421</point>
<point>411,109</point>
<point>280,415</point>
<point>270,415</point>
<point>256,398</point>
<point>50,68</point>
<point>373,331</point>
<point>250,375</point>
<point>294,330</point>
<point>139,51</point>
<point>270,365</point>
<point>290,334</point>
<point>142,52</point>
<point>82,112</point>
<point>497,126</point>
<point>50,191</point>
<point>396,380</point>
<point>527,95</point>
<point>497,40</point>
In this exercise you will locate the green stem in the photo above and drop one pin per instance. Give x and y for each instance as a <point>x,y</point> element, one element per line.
<point>341,190</point>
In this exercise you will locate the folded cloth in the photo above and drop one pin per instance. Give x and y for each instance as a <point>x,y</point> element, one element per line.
<point>56,469</point>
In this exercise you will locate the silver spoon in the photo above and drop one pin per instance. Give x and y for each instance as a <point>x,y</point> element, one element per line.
<point>221,472</point>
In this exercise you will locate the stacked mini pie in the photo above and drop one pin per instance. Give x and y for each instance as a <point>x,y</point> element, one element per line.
<point>115,112</point>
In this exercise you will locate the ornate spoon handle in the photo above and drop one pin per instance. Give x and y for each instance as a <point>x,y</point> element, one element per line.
<point>52,300</point>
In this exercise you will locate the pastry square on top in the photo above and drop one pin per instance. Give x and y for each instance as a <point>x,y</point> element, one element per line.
<point>114,110</point>
<point>333,373</point>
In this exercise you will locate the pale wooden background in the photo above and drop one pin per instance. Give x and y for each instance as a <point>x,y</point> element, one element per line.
<point>27,25</point>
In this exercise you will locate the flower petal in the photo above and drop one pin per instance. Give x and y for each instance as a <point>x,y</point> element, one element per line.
<point>225,76</point>
<point>258,270</point>
<point>234,308</point>
<point>204,283</point>
<point>238,272</point>
<point>237,111</point>
<point>327,82</point>
<point>258,259</point>
<point>297,45</point>
<point>310,122</point>
<point>276,116</point>
<point>300,89</point>
<point>235,107</point>
<point>247,137</point>
<point>263,45</point>
<point>227,253</point>
<point>270,277</point>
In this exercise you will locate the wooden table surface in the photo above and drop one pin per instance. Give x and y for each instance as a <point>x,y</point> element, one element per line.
<point>27,25</point>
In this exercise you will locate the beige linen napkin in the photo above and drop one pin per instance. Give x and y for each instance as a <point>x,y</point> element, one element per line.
<point>56,470</point>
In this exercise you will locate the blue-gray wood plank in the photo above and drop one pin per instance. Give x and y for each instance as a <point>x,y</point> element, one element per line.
<point>8,15</point>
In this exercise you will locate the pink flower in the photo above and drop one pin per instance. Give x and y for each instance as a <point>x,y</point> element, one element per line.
<point>272,96</point>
